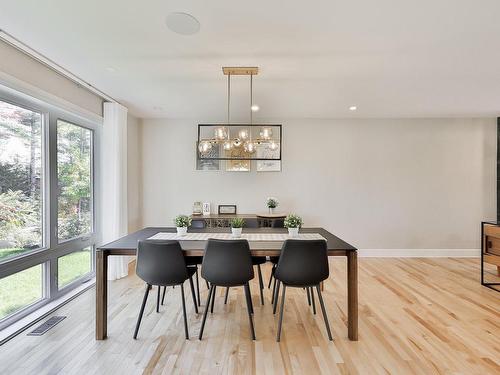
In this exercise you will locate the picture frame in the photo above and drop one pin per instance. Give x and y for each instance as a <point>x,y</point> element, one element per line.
<point>227,209</point>
<point>208,164</point>
<point>206,208</point>
<point>267,165</point>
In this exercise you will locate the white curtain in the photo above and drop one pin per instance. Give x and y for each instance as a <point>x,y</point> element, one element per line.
<point>114,216</point>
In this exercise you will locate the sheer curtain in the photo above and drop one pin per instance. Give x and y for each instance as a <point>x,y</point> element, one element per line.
<point>114,218</point>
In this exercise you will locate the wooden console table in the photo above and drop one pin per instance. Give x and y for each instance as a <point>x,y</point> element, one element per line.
<point>224,220</point>
<point>490,251</point>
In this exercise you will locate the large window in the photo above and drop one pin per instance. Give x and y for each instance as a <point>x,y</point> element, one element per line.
<point>21,180</point>
<point>47,206</point>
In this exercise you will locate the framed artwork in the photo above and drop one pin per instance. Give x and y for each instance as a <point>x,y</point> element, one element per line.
<point>208,164</point>
<point>238,165</point>
<point>227,209</point>
<point>206,208</point>
<point>268,165</point>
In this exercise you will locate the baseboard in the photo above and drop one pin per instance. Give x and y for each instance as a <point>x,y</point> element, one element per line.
<point>420,253</point>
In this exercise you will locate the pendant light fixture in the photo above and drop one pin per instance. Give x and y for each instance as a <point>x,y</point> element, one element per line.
<point>250,145</point>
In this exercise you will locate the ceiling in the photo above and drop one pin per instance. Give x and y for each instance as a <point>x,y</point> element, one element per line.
<point>390,58</point>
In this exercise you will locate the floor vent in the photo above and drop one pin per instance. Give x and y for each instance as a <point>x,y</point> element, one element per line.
<point>44,327</point>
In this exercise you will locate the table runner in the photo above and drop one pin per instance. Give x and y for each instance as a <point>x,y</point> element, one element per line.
<point>254,237</point>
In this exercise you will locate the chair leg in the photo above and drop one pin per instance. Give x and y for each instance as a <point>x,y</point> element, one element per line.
<point>250,296</point>
<point>208,285</point>
<point>213,300</point>
<point>198,287</point>
<point>193,294</point>
<point>250,319</point>
<point>158,300</point>
<point>278,337</point>
<point>308,297</point>
<point>274,289</point>
<point>261,285</point>
<point>163,295</point>
<point>227,294</point>
<point>276,297</point>
<point>139,318</point>
<point>184,311</point>
<point>205,313</point>
<point>325,317</point>
<point>271,277</point>
<point>313,303</point>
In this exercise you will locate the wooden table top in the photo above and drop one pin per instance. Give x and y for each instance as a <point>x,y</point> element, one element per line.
<point>129,242</point>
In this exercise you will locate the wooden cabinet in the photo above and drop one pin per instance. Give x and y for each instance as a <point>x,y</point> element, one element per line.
<point>490,253</point>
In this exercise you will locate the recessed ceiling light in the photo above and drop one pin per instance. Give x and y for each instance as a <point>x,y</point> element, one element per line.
<point>182,23</point>
<point>352,108</point>
<point>254,108</point>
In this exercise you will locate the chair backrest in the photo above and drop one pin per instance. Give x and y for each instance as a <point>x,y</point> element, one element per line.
<point>303,262</point>
<point>227,262</point>
<point>161,262</point>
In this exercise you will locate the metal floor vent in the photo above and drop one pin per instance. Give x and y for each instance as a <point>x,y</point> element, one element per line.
<point>44,327</point>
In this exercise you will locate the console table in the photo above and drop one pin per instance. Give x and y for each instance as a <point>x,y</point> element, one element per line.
<point>490,254</point>
<point>251,220</point>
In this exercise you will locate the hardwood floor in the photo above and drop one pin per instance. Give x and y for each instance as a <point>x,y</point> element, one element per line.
<point>417,316</point>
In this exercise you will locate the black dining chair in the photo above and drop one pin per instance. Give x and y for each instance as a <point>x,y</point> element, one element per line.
<point>227,263</point>
<point>162,263</point>
<point>302,264</point>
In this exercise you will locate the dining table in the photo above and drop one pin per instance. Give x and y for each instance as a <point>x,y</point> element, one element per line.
<point>262,241</point>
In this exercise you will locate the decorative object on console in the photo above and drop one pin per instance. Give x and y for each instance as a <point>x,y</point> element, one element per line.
<point>293,223</point>
<point>272,203</point>
<point>237,226</point>
<point>197,208</point>
<point>206,208</point>
<point>182,222</point>
<point>227,209</point>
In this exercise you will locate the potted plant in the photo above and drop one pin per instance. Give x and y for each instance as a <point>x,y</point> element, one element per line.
<point>293,223</point>
<point>182,222</point>
<point>237,226</point>
<point>272,203</point>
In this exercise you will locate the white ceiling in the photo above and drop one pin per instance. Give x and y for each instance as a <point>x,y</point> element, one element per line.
<point>391,58</point>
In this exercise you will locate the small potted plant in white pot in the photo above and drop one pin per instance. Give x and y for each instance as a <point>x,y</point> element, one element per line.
<point>182,222</point>
<point>272,203</point>
<point>293,223</point>
<point>237,226</point>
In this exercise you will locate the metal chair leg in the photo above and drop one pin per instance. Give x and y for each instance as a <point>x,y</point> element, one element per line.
<point>250,319</point>
<point>274,289</point>
<point>205,313</point>
<point>276,297</point>
<point>163,295</point>
<point>198,287</point>
<point>261,285</point>
<point>213,300</point>
<point>250,295</point>
<point>313,303</point>
<point>278,337</point>
<point>158,300</point>
<point>227,294</point>
<point>325,317</point>
<point>184,312</point>
<point>193,294</point>
<point>139,318</point>
<point>308,297</point>
<point>271,277</point>
<point>208,285</point>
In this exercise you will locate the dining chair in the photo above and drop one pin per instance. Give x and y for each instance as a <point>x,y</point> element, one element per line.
<point>162,263</point>
<point>227,263</point>
<point>302,264</point>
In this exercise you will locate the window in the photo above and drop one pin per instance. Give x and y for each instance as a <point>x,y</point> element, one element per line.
<point>21,180</point>
<point>47,208</point>
<point>73,266</point>
<point>20,290</point>
<point>74,213</point>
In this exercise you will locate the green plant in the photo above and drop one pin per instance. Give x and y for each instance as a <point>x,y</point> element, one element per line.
<point>293,221</point>
<point>182,221</point>
<point>237,222</point>
<point>272,202</point>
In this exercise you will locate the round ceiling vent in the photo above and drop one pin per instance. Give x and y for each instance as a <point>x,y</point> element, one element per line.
<point>182,23</point>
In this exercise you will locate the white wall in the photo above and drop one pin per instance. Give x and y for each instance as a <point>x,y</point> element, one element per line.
<point>379,184</point>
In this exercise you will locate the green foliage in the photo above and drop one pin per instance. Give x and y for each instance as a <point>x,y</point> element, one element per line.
<point>272,202</point>
<point>237,222</point>
<point>293,221</point>
<point>182,221</point>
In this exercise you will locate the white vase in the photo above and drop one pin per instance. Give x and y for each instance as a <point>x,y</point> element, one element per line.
<point>271,210</point>
<point>182,231</point>
<point>293,232</point>
<point>236,232</point>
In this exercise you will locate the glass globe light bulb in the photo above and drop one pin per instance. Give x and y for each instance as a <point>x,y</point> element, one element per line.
<point>266,133</point>
<point>249,147</point>
<point>243,134</point>
<point>237,142</point>
<point>227,145</point>
<point>220,133</point>
<point>204,147</point>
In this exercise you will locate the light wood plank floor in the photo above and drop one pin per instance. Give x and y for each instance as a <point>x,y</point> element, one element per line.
<point>417,316</point>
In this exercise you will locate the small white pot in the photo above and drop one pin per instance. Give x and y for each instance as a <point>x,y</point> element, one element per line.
<point>182,231</point>
<point>236,232</point>
<point>293,232</point>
